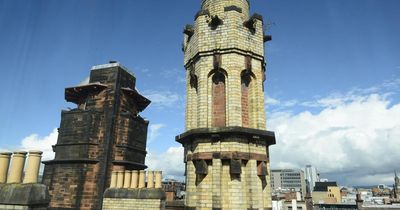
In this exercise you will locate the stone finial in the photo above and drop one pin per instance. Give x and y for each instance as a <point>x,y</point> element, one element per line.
<point>150,179</point>
<point>4,165</point>
<point>17,167</point>
<point>127,179</point>
<point>32,168</point>
<point>113,183</point>
<point>134,180</point>
<point>158,179</point>
<point>120,179</point>
<point>142,175</point>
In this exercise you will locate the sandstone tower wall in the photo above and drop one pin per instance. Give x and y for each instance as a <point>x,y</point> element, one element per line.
<point>226,143</point>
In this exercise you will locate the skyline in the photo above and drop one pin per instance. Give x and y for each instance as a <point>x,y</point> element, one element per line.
<point>326,89</point>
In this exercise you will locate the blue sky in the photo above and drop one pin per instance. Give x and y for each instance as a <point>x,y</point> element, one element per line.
<point>339,57</point>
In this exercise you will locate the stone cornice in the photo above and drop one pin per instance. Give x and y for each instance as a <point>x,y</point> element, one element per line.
<point>227,156</point>
<point>223,133</point>
<point>224,51</point>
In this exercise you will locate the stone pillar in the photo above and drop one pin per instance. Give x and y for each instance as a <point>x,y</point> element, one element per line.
<point>127,179</point>
<point>113,179</point>
<point>32,168</point>
<point>142,175</point>
<point>134,181</point>
<point>4,165</point>
<point>150,179</point>
<point>17,167</point>
<point>158,179</point>
<point>120,179</point>
<point>309,201</point>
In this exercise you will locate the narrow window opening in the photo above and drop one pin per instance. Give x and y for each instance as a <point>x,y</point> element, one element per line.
<point>218,100</point>
<point>245,80</point>
<point>193,82</point>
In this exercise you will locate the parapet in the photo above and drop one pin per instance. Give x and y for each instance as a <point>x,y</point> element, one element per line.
<point>216,7</point>
<point>33,196</point>
<point>19,191</point>
<point>129,189</point>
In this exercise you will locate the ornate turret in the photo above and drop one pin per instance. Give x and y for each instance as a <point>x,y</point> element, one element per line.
<point>226,144</point>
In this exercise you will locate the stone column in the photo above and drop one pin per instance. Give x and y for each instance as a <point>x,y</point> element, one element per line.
<point>150,179</point>
<point>142,175</point>
<point>127,179</point>
<point>120,179</point>
<point>32,168</point>
<point>17,167</point>
<point>309,202</point>
<point>113,179</point>
<point>158,179</point>
<point>4,165</point>
<point>134,180</point>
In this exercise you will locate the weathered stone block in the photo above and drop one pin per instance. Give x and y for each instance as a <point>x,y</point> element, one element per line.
<point>28,195</point>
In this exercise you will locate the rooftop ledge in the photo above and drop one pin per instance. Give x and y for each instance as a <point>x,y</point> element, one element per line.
<point>110,65</point>
<point>217,132</point>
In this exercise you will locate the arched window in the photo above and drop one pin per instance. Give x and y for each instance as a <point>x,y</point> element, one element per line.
<point>218,100</point>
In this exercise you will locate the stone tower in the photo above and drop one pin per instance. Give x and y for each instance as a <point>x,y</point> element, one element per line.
<point>104,133</point>
<point>226,143</point>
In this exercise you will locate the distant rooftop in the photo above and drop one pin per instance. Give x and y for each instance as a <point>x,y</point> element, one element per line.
<point>323,186</point>
<point>286,170</point>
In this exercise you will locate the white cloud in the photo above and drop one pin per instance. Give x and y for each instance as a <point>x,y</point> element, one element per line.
<point>289,103</point>
<point>162,98</point>
<point>372,179</point>
<point>385,89</point>
<point>170,162</point>
<point>154,131</point>
<point>279,104</point>
<point>271,101</point>
<point>351,133</point>
<point>44,144</point>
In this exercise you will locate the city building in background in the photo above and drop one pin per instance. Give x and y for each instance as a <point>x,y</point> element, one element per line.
<point>174,189</point>
<point>288,180</point>
<point>311,176</point>
<point>289,205</point>
<point>326,193</point>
